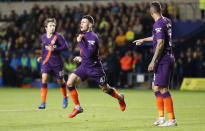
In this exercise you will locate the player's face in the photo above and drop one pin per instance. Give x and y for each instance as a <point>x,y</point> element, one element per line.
<point>51,27</point>
<point>151,13</point>
<point>84,25</point>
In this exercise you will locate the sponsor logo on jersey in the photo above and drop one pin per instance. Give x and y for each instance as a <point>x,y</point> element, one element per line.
<point>47,47</point>
<point>91,42</point>
<point>158,30</point>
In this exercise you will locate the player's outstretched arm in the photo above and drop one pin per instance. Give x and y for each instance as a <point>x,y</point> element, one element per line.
<point>158,52</point>
<point>140,41</point>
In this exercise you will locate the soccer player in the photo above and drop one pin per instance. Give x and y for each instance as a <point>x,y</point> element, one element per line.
<point>53,45</point>
<point>90,66</point>
<point>162,63</point>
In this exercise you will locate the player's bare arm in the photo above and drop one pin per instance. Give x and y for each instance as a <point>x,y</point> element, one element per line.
<point>140,41</point>
<point>159,49</point>
<point>77,59</point>
<point>39,59</point>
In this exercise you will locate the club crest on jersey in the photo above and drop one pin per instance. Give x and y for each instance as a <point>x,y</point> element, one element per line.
<point>53,42</point>
<point>158,30</point>
<point>91,42</point>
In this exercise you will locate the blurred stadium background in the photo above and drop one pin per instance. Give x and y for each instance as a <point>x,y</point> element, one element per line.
<point>118,23</point>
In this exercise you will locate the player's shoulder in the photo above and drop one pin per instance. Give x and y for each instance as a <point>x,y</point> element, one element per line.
<point>166,20</point>
<point>93,35</point>
<point>58,34</point>
<point>162,22</point>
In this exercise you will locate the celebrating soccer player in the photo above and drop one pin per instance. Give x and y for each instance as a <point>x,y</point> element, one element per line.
<point>90,66</point>
<point>162,63</point>
<point>52,46</point>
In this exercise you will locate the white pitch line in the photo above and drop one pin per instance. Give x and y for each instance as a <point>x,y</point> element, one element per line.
<point>17,110</point>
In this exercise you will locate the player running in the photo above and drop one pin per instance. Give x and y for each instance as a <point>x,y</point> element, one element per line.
<point>90,66</point>
<point>53,45</point>
<point>162,63</point>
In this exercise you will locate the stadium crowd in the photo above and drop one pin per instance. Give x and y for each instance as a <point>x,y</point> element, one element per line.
<point>117,25</point>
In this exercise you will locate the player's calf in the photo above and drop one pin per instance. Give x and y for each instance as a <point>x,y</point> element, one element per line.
<point>113,92</point>
<point>122,102</point>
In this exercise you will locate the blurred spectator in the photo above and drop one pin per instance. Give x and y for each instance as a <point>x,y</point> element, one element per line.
<point>202,8</point>
<point>181,66</point>
<point>8,74</point>
<point>3,45</point>
<point>126,67</point>
<point>1,61</point>
<point>24,60</point>
<point>111,66</point>
<point>117,24</point>
<point>15,62</point>
<point>103,23</point>
<point>130,35</point>
<point>69,65</point>
<point>137,62</point>
<point>120,39</point>
<point>137,28</point>
<point>33,66</point>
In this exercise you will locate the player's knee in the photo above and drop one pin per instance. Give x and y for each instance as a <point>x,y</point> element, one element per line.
<point>107,90</point>
<point>44,85</point>
<point>163,90</point>
<point>104,88</point>
<point>70,84</point>
<point>44,81</point>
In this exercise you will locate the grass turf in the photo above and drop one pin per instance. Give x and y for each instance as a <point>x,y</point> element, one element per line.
<point>18,111</point>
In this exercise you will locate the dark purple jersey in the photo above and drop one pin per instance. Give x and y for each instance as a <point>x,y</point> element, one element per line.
<point>89,46</point>
<point>59,45</point>
<point>162,29</point>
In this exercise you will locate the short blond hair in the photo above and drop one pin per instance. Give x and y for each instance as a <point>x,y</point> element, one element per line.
<point>49,20</point>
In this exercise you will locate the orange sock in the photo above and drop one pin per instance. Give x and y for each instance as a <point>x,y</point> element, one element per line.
<point>63,90</point>
<point>169,105</point>
<point>113,92</point>
<point>74,95</point>
<point>44,91</point>
<point>160,103</point>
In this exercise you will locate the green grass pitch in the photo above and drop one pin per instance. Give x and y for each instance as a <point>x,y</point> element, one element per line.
<point>18,111</point>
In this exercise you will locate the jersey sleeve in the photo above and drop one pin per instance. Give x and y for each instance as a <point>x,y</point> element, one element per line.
<point>62,44</point>
<point>89,46</point>
<point>159,29</point>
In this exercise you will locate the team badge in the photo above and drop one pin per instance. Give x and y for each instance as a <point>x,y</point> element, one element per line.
<point>91,42</point>
<point>158,30</point>
<point>52,42</point>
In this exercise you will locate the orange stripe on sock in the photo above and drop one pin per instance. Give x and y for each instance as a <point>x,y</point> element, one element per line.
<point>43,94</point>
<point>115,94</point>
<point>64,92</point>
<point>160,106</point>
<point>169,107</point>
<point>74,96</point>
